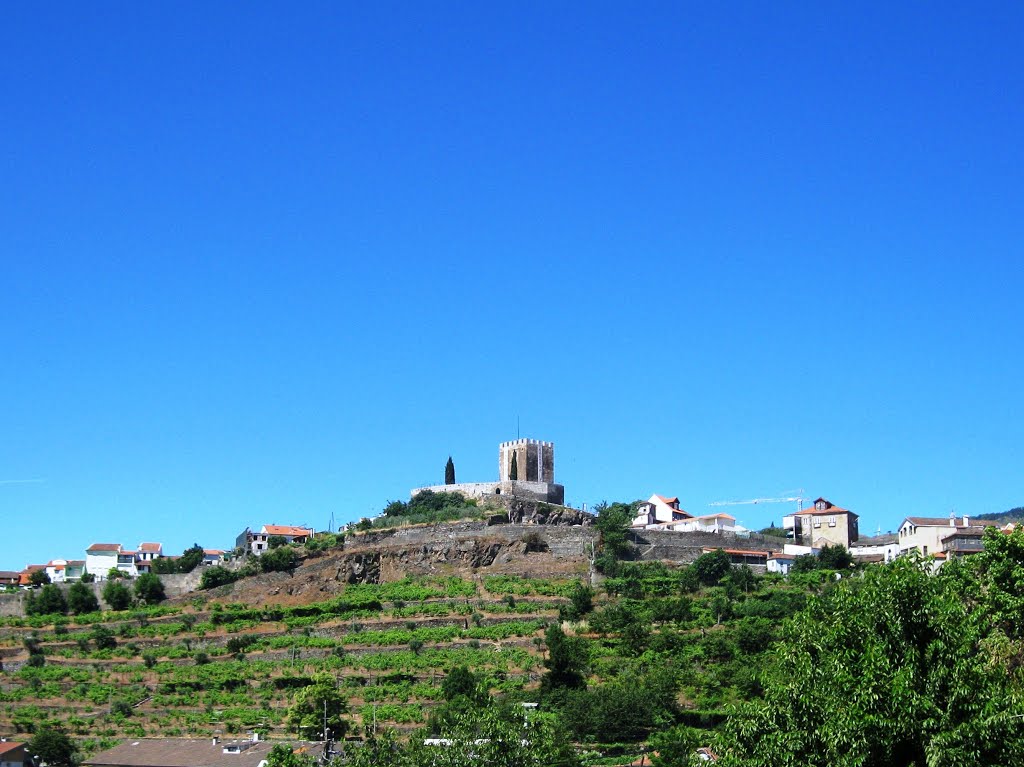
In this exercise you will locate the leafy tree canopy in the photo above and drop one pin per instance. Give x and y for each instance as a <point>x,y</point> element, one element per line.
<point>82,600</point>
<point>52,746</point>
<point>306,715</point>
<point>117,595</point>
<point>149,589</point>
<point>283,755</point>
<point>892,669</point>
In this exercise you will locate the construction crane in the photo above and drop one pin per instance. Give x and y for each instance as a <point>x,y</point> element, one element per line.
<point>798,499</point>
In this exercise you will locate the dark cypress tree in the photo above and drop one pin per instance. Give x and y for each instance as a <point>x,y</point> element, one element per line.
<point>513,473</point>
<point>449,472</point>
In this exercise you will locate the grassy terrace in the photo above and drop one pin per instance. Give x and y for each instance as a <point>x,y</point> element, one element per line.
<point>201,668</point>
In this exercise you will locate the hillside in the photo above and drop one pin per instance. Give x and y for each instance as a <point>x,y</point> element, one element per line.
<point>1011,515</point>
<point>388,616</point>
<point>653,655</point>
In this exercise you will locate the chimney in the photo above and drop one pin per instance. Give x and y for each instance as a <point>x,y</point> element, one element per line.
<point>952,519</point>
<point>255,737</point>
<point>967,521</point>
<point>215,740</point>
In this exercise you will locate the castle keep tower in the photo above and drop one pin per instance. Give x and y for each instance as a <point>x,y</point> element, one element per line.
<point>535,475</point>
<point>535,461</point>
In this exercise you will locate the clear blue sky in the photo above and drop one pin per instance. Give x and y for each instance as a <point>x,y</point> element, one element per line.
<point>262,263</point>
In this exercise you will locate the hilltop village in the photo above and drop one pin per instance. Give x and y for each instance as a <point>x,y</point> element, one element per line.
<point>526,473</point>
<point>487,622</point>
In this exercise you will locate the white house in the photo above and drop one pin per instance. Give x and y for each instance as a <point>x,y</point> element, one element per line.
<point>259,542</point>
<point>878,548</point>
<point>65,570</point>
<point>101,557</point>
<point>937,535</point>
<point>780,563</point>
<point>658,510</point>
<point>146,554</point>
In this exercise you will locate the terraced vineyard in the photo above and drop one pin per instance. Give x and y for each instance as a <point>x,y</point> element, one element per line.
<point>203,668</point>
<point>657,640</point>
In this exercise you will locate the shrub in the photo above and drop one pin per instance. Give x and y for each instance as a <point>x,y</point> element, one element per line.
<point>149,589</point>
<point>117,596</point>
<point>81,599</point>
<point>216,576</point>
<point>282,559</point>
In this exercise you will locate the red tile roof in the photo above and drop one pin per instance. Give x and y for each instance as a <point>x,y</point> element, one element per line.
<point>105,547</point>
<point>286,530</point>
<point>150,547</point>
<point>671,500</point>
<point>9,746</point>
<point>742,552</point>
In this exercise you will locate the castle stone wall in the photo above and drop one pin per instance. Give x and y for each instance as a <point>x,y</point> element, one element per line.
<point>534,491</point>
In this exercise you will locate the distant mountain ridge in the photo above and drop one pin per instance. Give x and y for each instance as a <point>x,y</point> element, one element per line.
<point>1013,515</point>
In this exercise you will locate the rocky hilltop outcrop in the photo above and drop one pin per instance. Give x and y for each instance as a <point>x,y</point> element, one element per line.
<point>466,549</point>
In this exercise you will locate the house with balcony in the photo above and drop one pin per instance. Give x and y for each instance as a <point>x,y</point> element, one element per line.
<point>943,537</point>
<point>101,558</point>
<point>147,552</point>
<point>823,524</point>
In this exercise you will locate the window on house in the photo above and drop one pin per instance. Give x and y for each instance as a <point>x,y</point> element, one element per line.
<point>924,550</point>
<point>831,521</point>
<point>817,522</point>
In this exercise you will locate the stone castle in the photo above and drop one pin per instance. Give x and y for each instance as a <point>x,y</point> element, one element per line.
<point>535,475</point>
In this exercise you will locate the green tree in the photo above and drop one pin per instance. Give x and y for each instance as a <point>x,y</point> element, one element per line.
<point>460,681</point>
<point>449,472</point>
<point>88,578</point>
<point>613,521</point>
<point>276,541</point>
<point>835,558</point>
<point>217,576</point>
<point>49,602</point>
<point>892,669</point>
<point>103,638</point>
<point>283,559</point>
<point>282,755</point>
<point>805,563</point>
<point>711,567</point>
<point>149,589</point>
<point>39,578</point>
<point>581,602</point>
<point>82,600</point>
<point>566,661</point>
<point>190,558</point>
<point>312,704</point>
<point>53,747</point>
<point>117,596</point>
<point>677,747</point>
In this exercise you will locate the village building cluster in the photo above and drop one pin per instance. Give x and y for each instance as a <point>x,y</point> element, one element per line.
<point>104,559</point>
<point>526,471</point>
